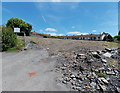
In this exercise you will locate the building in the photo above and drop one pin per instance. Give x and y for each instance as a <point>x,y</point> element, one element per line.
<point>98,37</point>
<point>39,34</point>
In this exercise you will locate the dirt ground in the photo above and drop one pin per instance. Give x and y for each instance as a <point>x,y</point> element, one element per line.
<point>60,45</point>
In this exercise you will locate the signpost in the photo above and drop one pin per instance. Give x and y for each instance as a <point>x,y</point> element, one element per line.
<point>17,30</point>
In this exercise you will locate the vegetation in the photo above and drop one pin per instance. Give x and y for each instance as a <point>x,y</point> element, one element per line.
<point>117,38</point>
<point>101,74</point>
<point>108,38</point>
<point>32,42</point>
<point>119,32</point>
<point>19,23</point>
<point>45,36</point>
<point>9,38</point>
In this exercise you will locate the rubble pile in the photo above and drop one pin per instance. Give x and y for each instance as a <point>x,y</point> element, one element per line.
<point>87,70</point>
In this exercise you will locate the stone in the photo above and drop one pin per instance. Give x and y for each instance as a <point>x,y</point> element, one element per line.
<point>80,81</point>
<point>72,76</point>
<point>108,49</point>
<point>90,75</point>
<point>104,80</point>
<point>104,61</point>
<point>81,56</point>
<point>110,73</point>
<point>104,88</point>
<point>107,55</point>
<point>96,55</point>
<point>118,89</point>
<point>99,52</point>
<point>74,79</point>
<point>93,84</point>
<point>65,82</point>
<point>73,83</point>
<point>67,79</point>
<point>79,88</point>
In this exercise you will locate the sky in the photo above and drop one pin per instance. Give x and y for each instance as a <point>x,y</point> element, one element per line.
<point>65,18</point>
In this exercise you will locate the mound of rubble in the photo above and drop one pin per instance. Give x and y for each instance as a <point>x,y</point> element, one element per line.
<point>87,70</point>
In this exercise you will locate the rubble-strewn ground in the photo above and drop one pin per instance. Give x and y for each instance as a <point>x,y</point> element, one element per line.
<point>85,65</point>
<point>73,65</point>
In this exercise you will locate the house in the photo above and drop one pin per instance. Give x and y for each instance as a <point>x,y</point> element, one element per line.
<point>98,37</point>
<point>39,34</point>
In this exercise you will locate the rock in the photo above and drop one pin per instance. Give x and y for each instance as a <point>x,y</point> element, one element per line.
<point>108,49</point>
<point>110,73</point>
<point>73,83</point>
<point>65,82</point>
<point>118,89</point>
<point>99,52</point>
<point>79,88</point>
<point>107,55</point>
<point>97,87</point>
<point>104,80</point>
<point>80,81</point>
<point>96,55</point>
<point>72,76</point>
<point>104,88</point>
<point>104,61</point>
<point>81,56</point>
<point>93,84</point>
<point>90,75</point>
<point>74,79</point>
<point>90,61</point>
<point>67,79</point>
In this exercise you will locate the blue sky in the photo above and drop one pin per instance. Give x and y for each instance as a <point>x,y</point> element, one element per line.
<point>65,18</point>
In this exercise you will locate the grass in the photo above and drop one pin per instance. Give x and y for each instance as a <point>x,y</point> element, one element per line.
<point>32,42</point>
<point>112,62</point>
<point>101,74</point>
<point>17,48</point>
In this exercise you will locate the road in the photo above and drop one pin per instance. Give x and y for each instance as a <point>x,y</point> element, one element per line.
<point>30,70</point>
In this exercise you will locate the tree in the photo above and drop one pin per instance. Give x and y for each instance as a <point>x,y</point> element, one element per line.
<point>119,32</point>
<point>19,23</point>
<point>117,37</point>
<point>108,38</point>
<point>9,38</point>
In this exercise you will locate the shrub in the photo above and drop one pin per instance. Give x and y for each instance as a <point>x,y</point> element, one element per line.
<point>117,37</point>
<point>45,36</point>
<point>9,39</point>
<point>108,38</point>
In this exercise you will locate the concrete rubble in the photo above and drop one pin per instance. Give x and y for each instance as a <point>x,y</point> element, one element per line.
<point>88,70</point>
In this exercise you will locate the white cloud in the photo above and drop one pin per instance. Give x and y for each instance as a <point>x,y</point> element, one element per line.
<point>94,31</point>
<point>51,29</point>
<point>76,33</point>
<point>41,30</point>
<point>52,34</point>
<point>60,34</point>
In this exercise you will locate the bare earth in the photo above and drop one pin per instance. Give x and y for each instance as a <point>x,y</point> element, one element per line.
<point>34,69</point>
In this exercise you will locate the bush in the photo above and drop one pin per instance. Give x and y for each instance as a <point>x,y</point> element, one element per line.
<point>9,39</point>
<point>45,36</point>
<point>108,38</point>
<point>117,38</point>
